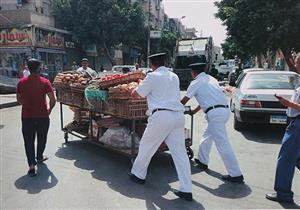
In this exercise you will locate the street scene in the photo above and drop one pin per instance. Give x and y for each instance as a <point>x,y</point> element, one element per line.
<point>153,104</point>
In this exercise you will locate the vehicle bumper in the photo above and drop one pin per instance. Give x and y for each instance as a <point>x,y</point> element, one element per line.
<point>257,116</point>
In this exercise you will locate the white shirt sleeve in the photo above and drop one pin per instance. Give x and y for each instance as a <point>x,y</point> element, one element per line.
<point>145,87</point>
<point>192,90</point>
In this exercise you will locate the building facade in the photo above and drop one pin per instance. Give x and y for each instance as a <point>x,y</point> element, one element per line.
<point>27,29</point>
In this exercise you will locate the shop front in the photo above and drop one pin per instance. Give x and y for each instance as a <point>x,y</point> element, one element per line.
<point>15,48</point>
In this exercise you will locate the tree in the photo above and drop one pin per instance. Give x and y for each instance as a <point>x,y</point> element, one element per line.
<point>257,26</point>
<point>106,23</point>
<point>168,42</point>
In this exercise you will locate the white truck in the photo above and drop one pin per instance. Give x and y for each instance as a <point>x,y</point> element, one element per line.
<point>188,51</point>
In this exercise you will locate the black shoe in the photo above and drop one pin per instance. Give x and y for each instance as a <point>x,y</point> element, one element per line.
<point>135,179</point>
<point>274,197</point>
<point>31,172</point>
<point>236,179</point>
<point>184,195</point>
<point>201,165</point>
<point>42,160</point>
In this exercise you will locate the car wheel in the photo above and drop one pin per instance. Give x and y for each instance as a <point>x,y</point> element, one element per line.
<point>237,125</point>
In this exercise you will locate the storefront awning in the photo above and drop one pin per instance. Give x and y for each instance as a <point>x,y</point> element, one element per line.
<point>47,50</point>
<point>15,50</point>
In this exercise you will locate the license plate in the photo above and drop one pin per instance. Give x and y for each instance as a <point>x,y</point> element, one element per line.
<point>275,119</point>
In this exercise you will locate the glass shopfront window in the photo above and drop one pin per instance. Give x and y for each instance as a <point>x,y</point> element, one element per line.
<point>12,64</point>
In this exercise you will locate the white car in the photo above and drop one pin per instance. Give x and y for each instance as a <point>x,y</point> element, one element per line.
<point>119,68</point>
<point>253,99</point>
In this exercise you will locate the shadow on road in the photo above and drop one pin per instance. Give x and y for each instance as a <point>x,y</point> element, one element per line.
<point>267,134</point>
<point>290,205</point>
<point>1,126</point>
<point>45,179</point>
<point>226,189</point>
<point>113,168</point>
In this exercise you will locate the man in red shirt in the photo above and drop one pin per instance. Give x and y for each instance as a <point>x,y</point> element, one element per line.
<point>31,94</point>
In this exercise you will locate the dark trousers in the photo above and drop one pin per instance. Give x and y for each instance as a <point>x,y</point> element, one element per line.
<point>288,160</point>
<point>32,127</point>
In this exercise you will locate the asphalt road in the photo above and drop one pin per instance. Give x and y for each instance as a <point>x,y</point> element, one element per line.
<point>81,176</point>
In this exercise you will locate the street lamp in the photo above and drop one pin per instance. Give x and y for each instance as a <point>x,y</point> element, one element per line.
<point>178,30</point>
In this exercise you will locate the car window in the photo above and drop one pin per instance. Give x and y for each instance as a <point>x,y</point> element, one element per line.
<point>240,79</point>
<point>270,81</point>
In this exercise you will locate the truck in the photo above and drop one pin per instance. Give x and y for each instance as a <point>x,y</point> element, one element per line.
<point>188,51</point>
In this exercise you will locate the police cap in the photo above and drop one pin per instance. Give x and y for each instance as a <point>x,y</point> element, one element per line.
<point>84,59</point>
<point>198,66</point>
<point>158,55</point>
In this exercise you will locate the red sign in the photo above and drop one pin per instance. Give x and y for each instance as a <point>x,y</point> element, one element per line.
<point>47,39</point>
<point>15,37</point>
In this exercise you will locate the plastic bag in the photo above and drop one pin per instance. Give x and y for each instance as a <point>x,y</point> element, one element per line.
<point>119,137</point>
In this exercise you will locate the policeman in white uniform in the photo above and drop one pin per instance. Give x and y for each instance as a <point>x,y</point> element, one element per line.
<point>213,102</point>
<point>165,123</point>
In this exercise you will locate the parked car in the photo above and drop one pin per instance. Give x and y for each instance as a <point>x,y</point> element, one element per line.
<point>119,68</point>
<point>253,99</point>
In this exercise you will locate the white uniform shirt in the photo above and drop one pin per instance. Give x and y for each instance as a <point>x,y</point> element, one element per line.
<point>26,73</point>
<point>88,71</point>
<point>296,99</point>
<point>161,88</point>
<point>207,91</point>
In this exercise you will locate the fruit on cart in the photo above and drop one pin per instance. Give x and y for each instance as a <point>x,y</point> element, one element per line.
<point>124,87</point>
<point>71,78</point>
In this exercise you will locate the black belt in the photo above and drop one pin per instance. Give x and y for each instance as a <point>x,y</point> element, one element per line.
<point>215,106</point>
<point>155,110</point>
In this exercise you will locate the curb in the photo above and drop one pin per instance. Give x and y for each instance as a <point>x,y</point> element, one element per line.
<point>8,105</point>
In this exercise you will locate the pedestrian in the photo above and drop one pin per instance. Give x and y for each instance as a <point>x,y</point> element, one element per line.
<point>214,72</point>
<point>213,102</point>
<point>26,72</point>
<point>289,155</point>
<point>165,124</point>
<point>31,94</point>
<point>136,67</point>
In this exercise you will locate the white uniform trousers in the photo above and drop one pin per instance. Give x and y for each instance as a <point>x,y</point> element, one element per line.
<point>216,132</point>
<point>165,126</point>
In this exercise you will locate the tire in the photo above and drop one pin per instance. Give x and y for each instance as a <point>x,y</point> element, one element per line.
<point>237,125</point>
<point>190,153</point>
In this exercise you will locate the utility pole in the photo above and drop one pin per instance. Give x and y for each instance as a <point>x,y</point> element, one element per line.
<point>148,49</point>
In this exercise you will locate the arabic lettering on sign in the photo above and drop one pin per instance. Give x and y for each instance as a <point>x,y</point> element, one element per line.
<point>15,37</point>
<point>49,39</point>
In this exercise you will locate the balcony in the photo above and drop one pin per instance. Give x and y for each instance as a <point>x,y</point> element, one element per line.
<point>10,18</point>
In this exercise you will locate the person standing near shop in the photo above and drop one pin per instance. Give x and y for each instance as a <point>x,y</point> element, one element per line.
<point>31,94</point>
<point>165,123</point>
<point>213,102</point>
<point>289,155</point>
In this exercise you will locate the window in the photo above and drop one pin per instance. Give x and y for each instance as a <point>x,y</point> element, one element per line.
<point>270,81</point>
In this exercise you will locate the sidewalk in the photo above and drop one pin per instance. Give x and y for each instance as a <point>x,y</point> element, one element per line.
<point>8,100</point>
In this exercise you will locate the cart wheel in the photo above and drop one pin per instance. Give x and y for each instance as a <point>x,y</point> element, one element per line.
<point>66,136</point>
<point>190,153</point>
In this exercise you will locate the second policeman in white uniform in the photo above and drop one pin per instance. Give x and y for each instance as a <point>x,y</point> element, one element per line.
<point>165,123</point>
<point>214,104</point>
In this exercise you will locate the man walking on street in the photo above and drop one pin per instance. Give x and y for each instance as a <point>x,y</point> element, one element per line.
<point>165,123</point>
<point>213,102</point>
<point>31,94</point>
<point>289,155</point>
